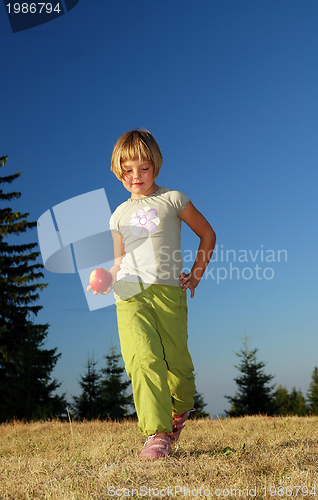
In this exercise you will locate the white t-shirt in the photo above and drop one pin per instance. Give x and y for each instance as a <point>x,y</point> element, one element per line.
<point>150,228</point>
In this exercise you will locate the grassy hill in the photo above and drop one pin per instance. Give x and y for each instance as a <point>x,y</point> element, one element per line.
<point>238,457</point>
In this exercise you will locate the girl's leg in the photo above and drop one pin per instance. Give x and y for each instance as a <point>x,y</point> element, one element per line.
<point>145,362</point>
<point>170,310</point>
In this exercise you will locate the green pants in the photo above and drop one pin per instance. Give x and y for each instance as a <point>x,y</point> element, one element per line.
<point>152,326</point>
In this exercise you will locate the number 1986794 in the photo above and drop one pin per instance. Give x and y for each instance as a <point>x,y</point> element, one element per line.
<point>289,491</point>
<point>33,8</point>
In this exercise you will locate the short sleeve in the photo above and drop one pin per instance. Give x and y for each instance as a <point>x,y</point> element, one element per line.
<point>113,224</point>
<point>178,200</point>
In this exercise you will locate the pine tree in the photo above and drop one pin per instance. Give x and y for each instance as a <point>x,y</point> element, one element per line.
<point>282,400</point>
<point>297,403</point>
<point>114,399</point>
<point>312,394</point>
<point>199,404</point>
<point>254,396</point>
<point>26,388</point>
<point>88,404</point>
<point>292,403</point>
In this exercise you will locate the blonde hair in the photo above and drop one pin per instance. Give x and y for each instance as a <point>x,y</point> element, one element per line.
<point>135,145</point>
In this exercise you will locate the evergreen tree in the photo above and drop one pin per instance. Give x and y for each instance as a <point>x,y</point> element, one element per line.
<point>114,399</point>
<point>297,403</point>
<point>312,394</point>
<point>26,388</point>
<point>282,400</point>
<point>88,404</point>
<point>290,404</point>
<point>254,396</point>
<point>199,404</point>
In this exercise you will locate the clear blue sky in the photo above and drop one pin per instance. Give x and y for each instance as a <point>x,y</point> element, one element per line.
<point>229,90</point>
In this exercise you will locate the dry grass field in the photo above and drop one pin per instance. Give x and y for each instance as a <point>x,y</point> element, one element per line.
<point>251,457</point>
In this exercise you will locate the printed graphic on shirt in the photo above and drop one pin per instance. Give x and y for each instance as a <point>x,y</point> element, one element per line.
<point>144,221</point>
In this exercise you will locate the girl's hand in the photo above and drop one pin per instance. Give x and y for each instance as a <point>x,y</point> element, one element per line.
<point>109,289</point>
<point>188,281</point>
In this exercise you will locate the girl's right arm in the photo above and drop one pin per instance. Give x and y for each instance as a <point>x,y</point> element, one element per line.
<point>119,253</point>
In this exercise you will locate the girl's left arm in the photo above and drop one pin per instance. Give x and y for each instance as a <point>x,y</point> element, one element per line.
<point>201,227</point>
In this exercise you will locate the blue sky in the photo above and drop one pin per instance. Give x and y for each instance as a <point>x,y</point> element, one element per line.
<point>229,90</point>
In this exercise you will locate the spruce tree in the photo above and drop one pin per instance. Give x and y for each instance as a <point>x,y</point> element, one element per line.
<point>26,388</point>
<point>312,394</point>
<point>292,403</point>
<point>113,388</point>
<point>254,396</point>
<point>282,400</point>
<point>297,403</point>
<point>88,404</point>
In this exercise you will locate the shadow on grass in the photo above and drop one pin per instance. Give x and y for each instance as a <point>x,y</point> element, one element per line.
<point>225,452</point>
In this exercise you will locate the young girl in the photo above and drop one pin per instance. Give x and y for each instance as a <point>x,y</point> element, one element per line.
<point>149,288</point>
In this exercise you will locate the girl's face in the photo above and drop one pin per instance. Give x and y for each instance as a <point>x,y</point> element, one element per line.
<point>139,178</point>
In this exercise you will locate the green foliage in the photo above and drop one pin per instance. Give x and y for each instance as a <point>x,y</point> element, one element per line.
<point>199,404</point>
<point>3,160</point>
<point>26,388</point>
<point>103,393</point>
<point>254,396</point>
<point>293,403</point>
<point>312,394</point>
<point>297,402</point>
<point>114,399</point>
<point>282,400</point>
<point>88,404</point>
